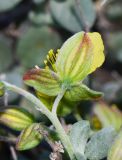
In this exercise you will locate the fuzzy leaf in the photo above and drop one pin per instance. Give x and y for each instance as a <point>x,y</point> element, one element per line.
<point>34,44</point>
<point>43,80</point>
<point>29,137</point>
<point>79,135</point>
<point>16,118</point>
<point>79,56</point>
<point>115,152</point>
<point>99,144</point>
<point>81,92</point>
<point>73,15</point>
<point>62,14</point>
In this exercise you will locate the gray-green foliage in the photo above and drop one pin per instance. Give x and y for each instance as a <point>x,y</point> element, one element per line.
<point>34,45</point>
<point>99,144</point>
<point>89,145</point>
<point>8,4</point>
<point>40,18</point>
<point>13,77</point>
<point>79,135</point>
<point>5,54</point>
<point>115,45</point>
<point>114,11</point>
<point>73,15</point>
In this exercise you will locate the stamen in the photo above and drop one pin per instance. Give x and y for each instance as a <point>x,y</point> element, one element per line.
<point>51,59</point>
<point>37,67</point>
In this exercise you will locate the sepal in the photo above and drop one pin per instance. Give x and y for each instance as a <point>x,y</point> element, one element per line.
<point>16,118</point>
<point>81,92</point>
<point>43,80</point>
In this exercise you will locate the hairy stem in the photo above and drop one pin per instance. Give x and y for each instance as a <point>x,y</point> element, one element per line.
<point>57,101</point>
<point>52,117</point>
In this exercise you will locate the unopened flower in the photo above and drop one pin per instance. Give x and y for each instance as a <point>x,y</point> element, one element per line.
<point>79,56</point>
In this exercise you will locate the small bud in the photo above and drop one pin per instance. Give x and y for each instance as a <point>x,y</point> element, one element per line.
<point>115,152</point>
<point>16,118</point>
<point>29,138</point>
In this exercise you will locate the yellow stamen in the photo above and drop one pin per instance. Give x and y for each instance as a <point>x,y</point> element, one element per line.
<point>37,67</point>
<point>51,59</point>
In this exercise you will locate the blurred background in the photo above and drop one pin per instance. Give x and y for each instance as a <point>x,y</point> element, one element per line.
<point>30,28</point>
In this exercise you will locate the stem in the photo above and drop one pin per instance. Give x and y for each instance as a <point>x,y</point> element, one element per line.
<point>63,136</point>
<point>8,139</point>
<point>40,106</point>
<point>56,102</point>
<point>52,117</point>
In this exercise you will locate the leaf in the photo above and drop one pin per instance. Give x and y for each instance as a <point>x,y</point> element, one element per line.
<point>71,15</point>
<point>29,137</point>
<point>65,106</point>
<point>38,1</point>
<point>113,11</point>
<point>99,144</point>
<point>34,45</point>
<point>115,152</point>
<point>78,56</point>
<point>85,12</point>
<point>1,89</point>
<point>40,18</point>
<point>62,14</point>
<point>98,50</point>
<point>43,80</point>
<point>16,118</point>
<point>81,92</point>
<point>108,115</point>
<point>13,77</point>
<point>79,134</point>
<point>115,46</point>
<point>5,54</point>
<point>8,4</point>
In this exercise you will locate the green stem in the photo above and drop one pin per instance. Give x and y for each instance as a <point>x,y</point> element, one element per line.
<point>56,102</point>
<point>63,136</point>
<point>52,117</point>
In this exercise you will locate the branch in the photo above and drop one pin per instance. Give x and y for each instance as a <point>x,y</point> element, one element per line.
<point>57,101</point>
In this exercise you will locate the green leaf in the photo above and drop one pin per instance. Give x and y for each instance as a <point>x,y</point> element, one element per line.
<point>108,115</point>
<point>65,106</point>
<point>5,54</point>
<point>79,134</point>
<point>34,45</point>
<point>40,18</point>
<point>1,89</point>
<point>13,77</point>
<point>29,137</point>
<point>99,144</point>
<point>78,56</point>
<point>61,12</point>
<point>43,80</point>
<point>8,4</point>
<point>16,118</point>
<point>38,1</point>
<point>71,15</point>
<point>81,92</point>
<point>85,12</point>
<point>113,11</point>
<point>115,152</point>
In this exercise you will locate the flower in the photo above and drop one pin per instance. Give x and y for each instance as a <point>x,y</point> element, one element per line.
<point>79,56</point>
